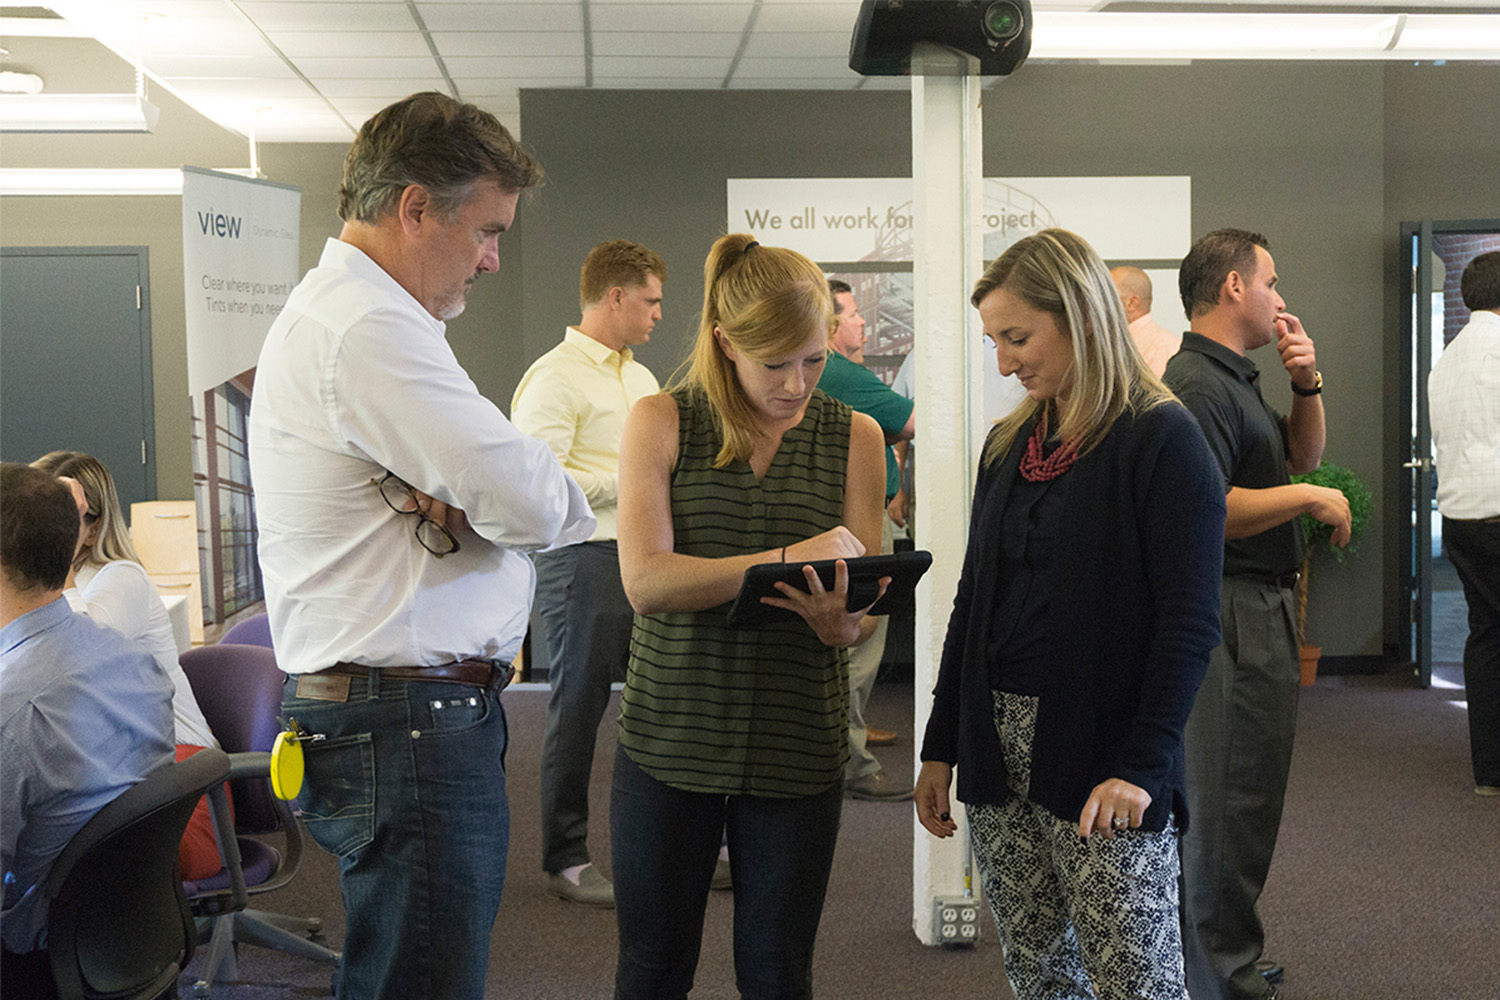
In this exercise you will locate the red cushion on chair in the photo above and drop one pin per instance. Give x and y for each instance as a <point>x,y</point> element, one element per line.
<point>198,855</point>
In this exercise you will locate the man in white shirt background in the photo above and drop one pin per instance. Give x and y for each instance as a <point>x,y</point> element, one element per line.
<point>1464,394</point>
<point>575,398</point>
<point>1156,343</point>
<point>396,505</point>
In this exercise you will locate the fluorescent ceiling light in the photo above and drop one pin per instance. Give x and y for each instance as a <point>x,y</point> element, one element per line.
<point>76,113</point>
<point>35,181</point>
<point>1126,36</point>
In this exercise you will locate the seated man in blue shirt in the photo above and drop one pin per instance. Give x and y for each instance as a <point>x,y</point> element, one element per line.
<point>84,712</point>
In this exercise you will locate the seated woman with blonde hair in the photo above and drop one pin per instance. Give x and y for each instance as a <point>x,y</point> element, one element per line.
<point>109,585</point>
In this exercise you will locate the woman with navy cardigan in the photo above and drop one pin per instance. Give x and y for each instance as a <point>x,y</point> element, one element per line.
<point>1085,614</point>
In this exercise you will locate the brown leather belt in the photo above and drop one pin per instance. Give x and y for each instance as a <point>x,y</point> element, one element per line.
<point>481,673</point>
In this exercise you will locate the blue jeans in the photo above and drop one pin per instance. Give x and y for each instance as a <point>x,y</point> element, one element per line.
<point>408,790</point>
<point>664,844</point>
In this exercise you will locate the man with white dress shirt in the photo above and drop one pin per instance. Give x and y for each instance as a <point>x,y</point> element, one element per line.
<point>396,506</point>
<point>1463,390</point>
<point>1156,343</point>
<point>575,398</point>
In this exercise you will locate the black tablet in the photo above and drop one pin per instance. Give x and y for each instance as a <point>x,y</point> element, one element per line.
<point>865,574</point>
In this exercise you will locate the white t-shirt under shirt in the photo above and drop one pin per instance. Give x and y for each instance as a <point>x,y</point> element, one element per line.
<point>120,594</point>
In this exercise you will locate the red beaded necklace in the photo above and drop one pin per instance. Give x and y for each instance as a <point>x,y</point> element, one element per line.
<point>1040,468</point>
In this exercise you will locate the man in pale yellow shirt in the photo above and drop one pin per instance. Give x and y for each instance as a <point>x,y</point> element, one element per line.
<point>575,398</point>
<point>1156,343</point>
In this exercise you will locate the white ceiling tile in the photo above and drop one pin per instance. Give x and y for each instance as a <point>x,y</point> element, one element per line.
<point>375,87</point>
<point>493,85</point>
<point>329,134</point>
<point>670,3</point>
<point>669,17</point>
<point>356,44</point>
<point>364,54</point>
<point>821,44</point>
<point>790,83</point>
<point>809,16</point>
<point>306,15</point>
<point>650,43</point>
<point>513,65</point>
<point>291,107</point>
<point>248,68</point>
<point>502,16</point>
<point>237,39</point>
<point>240,88</point>
<point>658,66</point>
<point>814,69</point>
<point>373,68</point>
<point>509,43</point>
<point>654,83</point>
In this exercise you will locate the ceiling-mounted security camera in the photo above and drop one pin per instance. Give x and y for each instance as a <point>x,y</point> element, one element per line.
<point>996,32</point>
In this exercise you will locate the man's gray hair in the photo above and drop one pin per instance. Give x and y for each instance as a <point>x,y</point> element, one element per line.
<point>434,141</point>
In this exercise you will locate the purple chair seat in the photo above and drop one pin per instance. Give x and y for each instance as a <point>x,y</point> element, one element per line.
<point>257,860</point>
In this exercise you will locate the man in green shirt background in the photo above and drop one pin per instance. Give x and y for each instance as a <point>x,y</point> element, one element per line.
<point>847,379</point>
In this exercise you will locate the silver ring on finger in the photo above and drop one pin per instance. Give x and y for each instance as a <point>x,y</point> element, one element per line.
<point>1120,822</point>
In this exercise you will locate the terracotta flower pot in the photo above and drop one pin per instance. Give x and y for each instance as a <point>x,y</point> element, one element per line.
<point>1310,656</point>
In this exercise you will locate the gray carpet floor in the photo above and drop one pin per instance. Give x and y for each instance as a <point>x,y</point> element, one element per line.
<point>1386,882</point>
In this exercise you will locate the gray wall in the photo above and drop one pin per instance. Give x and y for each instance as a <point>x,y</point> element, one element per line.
<point>652,167</point>
<point>1442,161</point>
<point>1293,151</point>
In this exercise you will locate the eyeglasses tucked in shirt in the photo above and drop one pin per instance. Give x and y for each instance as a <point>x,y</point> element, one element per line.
<point>401,497</point>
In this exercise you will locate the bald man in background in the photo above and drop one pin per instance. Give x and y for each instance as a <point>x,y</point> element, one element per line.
<point>1156,343</point>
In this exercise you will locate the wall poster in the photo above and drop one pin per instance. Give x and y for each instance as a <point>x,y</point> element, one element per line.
<point>860,229</point>
<point>240,242</point>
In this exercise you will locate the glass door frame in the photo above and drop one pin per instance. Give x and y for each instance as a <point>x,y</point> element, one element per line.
<point>1414,451</point>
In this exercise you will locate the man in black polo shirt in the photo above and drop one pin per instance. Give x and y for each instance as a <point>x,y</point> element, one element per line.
<point>1239,736</point>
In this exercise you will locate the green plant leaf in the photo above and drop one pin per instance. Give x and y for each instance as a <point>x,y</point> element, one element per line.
<point>1355,491</point>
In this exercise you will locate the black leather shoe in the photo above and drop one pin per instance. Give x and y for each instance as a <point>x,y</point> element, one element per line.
<point>1270,971</point>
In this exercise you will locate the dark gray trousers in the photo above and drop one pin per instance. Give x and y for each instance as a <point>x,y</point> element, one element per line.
<point>1474,548</point>
<point>1239,753</point>
<point>586,621</point>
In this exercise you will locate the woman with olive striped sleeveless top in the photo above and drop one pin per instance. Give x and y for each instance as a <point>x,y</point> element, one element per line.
<point>712,708</point>
<point>737,732</point>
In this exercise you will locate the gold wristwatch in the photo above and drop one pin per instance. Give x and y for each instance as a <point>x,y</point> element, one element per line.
<point>1317,386</point>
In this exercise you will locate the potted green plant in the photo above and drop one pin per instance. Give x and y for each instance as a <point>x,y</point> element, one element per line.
<point>1320,535</point>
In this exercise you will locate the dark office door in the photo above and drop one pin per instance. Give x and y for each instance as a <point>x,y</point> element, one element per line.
<point>75,360</point>
<point>1425,246</point>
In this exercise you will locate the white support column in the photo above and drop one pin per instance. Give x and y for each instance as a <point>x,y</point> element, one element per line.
<point>947,175</point>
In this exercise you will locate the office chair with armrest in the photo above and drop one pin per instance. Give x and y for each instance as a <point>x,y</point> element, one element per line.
<point>238,687</point>
<point>253,631</point>
<point>118,923</point>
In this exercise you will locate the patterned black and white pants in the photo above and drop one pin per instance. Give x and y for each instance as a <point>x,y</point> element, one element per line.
<point>1078,920</point>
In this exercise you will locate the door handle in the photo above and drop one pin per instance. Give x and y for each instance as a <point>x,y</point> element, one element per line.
<point>1425,464</point>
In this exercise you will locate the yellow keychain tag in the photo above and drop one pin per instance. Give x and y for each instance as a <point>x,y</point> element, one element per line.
<point>286,766</point>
